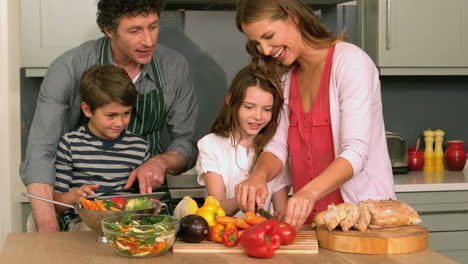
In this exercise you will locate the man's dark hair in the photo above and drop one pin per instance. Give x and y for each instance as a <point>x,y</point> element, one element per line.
<point>104,84</point>
<point>110,11</point>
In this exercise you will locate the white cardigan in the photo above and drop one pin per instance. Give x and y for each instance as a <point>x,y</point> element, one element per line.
<point>357,125</point>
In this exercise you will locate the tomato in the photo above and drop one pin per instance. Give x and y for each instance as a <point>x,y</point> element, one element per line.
<point>119,201</point>
<point>287,233</point>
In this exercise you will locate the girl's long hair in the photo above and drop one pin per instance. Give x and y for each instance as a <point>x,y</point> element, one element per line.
<point>312,30</point>
<point>226,123</point>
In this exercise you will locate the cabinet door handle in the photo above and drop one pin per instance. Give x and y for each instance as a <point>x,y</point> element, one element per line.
<point>389,6</point>
<point>460,211</point>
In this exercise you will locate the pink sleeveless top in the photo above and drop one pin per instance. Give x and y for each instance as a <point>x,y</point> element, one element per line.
<point>310,137</point>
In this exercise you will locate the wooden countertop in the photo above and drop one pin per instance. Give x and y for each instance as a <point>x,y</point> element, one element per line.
<point>80,247</point>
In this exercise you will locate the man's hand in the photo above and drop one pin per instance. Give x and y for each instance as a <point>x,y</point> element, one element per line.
<point>250,192</point>
<point>150,175</point>
<point>44,212</point>
<point>300,206</point>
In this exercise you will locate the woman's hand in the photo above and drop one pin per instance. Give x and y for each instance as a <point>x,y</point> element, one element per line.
<point>300,206</point>
<point>85,190</point>
<point>252,190</point>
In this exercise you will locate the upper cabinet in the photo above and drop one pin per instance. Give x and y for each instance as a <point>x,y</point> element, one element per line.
<point>50,27</point>
<point>415,37</point>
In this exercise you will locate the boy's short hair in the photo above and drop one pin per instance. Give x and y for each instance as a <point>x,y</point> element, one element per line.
<point>104,84</point>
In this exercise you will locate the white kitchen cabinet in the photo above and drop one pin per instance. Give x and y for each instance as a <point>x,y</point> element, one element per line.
<point>50,27</point>
<point>415,37</point>
<point>445,214</point>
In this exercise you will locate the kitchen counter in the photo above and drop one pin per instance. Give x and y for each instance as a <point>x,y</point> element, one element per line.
<point>421,181</point>
<point>415,181</point>
<point>80,247</point>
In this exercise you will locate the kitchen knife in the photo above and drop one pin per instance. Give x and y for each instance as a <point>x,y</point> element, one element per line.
<point>264,213</point>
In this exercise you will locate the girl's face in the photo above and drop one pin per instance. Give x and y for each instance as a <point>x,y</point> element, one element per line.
<point>254,112</point>
<point>109,120</point>
<point>279,39</point>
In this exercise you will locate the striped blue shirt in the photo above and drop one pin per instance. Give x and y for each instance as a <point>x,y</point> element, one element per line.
<point>83,158</point>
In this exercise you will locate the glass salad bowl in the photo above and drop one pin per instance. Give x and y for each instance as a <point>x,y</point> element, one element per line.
<point>140,235</point>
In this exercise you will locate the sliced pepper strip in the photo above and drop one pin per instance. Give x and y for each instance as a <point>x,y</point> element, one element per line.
<point>242,224</point>
<point>253,219</point>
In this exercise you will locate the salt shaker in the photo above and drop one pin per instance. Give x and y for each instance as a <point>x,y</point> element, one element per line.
<point>438,152</point>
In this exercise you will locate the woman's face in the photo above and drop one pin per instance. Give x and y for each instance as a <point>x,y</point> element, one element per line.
<point>279,39</point>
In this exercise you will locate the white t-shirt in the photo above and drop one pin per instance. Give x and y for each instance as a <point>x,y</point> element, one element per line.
<point>217,154</point>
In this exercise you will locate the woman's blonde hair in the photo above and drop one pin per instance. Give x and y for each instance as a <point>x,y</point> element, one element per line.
<point>226,123</point>
<point>312,30</point>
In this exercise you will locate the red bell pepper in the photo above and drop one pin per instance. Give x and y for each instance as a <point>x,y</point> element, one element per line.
<point>230,238</point>
<point>261,240</point>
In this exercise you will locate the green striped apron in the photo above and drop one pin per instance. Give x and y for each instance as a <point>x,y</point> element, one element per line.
<point>148,117</point>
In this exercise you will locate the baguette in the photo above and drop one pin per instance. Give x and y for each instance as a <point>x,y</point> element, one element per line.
<point>335,214</point>
<point>351,217</point>
<point>391,213</point>
<point>318,219</point>
<point>364,218</point>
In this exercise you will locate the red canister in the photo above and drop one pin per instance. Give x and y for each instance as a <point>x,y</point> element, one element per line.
<point>415,160</point>
<point>455,155</point>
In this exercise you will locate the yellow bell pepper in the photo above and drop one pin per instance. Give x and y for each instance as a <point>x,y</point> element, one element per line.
<point>211,210</point>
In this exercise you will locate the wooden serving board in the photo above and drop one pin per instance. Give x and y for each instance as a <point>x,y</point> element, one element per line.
<point>305,243</point>
<point>394,240</point>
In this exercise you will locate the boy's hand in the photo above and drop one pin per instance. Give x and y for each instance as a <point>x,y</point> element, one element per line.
<point>85,190</point>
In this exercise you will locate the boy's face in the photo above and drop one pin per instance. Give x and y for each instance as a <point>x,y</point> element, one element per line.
<point>109,120</point>
<point>135,38</point>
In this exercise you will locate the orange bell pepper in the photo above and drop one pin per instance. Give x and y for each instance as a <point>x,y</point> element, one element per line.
<point>231,226</point>
<point>216,233</point>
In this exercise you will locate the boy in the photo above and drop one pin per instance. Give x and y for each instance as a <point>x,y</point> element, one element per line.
<point>99,156</point>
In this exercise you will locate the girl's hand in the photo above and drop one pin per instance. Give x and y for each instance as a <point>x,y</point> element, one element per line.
<point>250,192</point>
<point>300,206</point>
<point>85,190</point>
<point>279,215</point>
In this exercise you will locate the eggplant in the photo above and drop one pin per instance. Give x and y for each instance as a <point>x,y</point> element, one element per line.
<point>193,228</point>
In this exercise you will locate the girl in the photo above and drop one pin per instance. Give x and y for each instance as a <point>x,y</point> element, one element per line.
<point>246,123</point>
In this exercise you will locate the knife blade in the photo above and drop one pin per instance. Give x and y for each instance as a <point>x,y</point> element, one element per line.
<point>264,213</point>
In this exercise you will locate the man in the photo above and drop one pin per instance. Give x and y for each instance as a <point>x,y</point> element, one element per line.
<point>166,98</point>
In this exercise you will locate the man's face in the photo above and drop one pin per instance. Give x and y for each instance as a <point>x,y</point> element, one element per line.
<point>135,39</point>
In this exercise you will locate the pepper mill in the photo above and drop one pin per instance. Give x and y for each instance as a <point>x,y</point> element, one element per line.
<point>438,152</point>
<point>428,151</point>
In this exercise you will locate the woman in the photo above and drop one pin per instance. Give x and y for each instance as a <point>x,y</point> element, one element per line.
<point>333,112</point>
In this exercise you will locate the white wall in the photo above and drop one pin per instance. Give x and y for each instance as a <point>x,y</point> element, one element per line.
<point>9,116</point>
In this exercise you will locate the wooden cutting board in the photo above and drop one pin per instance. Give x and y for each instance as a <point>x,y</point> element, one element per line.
<point>305,243</point>
<point>393,240</point>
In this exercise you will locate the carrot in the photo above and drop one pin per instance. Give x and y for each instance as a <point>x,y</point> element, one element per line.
<point>84,203</point>
<point>100,205</point>
<point>158,247</point>
<point>92,205</point>
<point>114,209</point>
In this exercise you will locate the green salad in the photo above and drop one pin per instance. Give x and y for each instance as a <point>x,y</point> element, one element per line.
<point>140,235</point>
